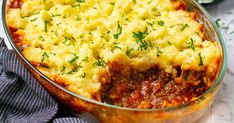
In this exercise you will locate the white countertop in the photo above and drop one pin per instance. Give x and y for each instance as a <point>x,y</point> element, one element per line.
<point>222,111</point>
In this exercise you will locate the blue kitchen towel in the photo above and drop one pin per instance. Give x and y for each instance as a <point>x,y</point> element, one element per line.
<point>22,98</point>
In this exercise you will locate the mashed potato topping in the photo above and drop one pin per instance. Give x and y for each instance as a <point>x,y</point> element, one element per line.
<point>74,42</point>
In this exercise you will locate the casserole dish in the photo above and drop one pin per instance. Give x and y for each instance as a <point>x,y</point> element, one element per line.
<point>105,112</point>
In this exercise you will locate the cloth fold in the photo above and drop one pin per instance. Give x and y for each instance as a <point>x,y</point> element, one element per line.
<point>22,98</point>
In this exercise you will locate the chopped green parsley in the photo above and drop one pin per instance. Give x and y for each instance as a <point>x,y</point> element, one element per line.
<point>201,61</point>
<point>140,36</point>
<point>116,36</point>
<point>34,19</point>
<point>184,26</point>
<point>191,44</point>
<point>73,59</point>
<point>46,25</point>
<point>100,62</point>
<point>44,55</point>
<point>80,1</point>
<point>83,75</point>
<point>161,23</point>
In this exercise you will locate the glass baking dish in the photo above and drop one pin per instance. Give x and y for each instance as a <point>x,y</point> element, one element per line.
<point>190,112</point>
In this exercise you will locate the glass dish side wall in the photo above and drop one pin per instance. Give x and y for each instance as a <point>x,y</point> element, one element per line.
<point>105,113</point>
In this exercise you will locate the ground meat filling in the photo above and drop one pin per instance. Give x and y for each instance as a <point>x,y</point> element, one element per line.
<point>152,89</point>
<point>16,4</point>
<point>16,37</point>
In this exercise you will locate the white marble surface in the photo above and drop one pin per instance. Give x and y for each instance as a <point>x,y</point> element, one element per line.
<point>222,110</point>
<point>2,34</point>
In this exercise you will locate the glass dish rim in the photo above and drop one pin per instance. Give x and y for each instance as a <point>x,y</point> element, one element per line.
<point>217,82</point>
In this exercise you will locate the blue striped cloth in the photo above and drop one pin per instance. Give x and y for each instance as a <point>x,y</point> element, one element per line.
<point>22,98</point>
